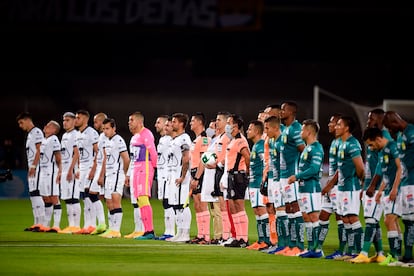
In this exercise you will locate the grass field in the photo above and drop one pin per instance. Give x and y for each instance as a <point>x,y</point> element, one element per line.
<point>58,254</point>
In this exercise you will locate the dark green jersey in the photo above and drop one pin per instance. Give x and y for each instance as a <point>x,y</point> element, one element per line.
<point>256,164</point>
<point>310,168</point>
<point>289,154</point>
<point>387,158</point>
<point>405,142</point>
<point>347,177</point>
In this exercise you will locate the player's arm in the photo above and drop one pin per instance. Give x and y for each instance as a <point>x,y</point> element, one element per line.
<point>397,180</point>
<point>245,152</point>
<point>185,165</point>
<point>58,159</point>
<point>126,160</point>
<point>331,182</point>
<point>32,168</point>
<point>95,158</point>
<point>73,163</point>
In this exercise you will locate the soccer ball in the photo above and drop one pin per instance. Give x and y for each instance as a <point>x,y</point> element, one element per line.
<point>208,158</point>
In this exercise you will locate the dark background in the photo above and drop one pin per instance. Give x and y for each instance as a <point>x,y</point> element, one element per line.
<point>360,52</point>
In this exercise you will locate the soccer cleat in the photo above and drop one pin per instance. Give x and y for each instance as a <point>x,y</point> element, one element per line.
<point>312,254</point>
<point>195,240</point>
<point>147,236</point>
<point>396,263</point>
<point>254,246</point>
<point>408,263</point>
<point>111,234</point>
<point>134,235</point>
<point>389,259</point>
<point>263,246</point>
<point>33,227</point>
<point>203,242</point>
<point>243,244</point>
<point>377,259</point>
<point>228,241</point>
<point>283,251</point>
<point>54,229</point>
<point>334,255</point>
<point>99,229</point>
<point>67,230</point>
<point>346,257</point>
<point>163,237</point>
<point>360,259</point>
<point>295,251</point>
<point>215,241</point>
<point>269,248</point>
<point>234,243</point>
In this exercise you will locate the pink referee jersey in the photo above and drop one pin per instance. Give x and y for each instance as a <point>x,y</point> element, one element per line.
<point>145,155</point>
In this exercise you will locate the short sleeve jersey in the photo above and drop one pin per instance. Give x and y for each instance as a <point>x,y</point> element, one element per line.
<point>256,164</point>
<point>34,137</point>
<point>405,142</point>
<point>198,146</point>
<point>48,147</point>
<point>347,177</point>
<point>289,155</point>
<point>387,158</point>
<point>85,140</point>
<point>179,144</point>
<point>310,168</point>
<point>68,143</point>
<point>234,147</point>
<point>114,146</point>
<point>333,157</point>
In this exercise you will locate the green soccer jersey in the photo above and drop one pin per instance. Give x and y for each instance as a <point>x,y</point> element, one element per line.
<point>347,177</point>
<point>333,156</point>
<point>372,165</point>
<point>405,142</point>
<point>289,154</point>
<point>387,158</point>
<point>256,164</point>
<point>310,168</point>
<point>274,154</point>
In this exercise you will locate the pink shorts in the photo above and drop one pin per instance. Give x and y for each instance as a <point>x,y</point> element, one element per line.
<point>143,177</point>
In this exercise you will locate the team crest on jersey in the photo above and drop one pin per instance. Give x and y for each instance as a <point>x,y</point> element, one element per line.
<point>403,146</point>
<point>342,154</point>
<point>386,159</point>
<point>205,141</point>
<point>253,154</point>
<point>305,155</point>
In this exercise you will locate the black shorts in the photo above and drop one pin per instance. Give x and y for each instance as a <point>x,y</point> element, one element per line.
<point>200,181</point>
<point>237,185</point>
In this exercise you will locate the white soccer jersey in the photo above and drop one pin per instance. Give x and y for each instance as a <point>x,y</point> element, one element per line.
<point>101,142</point>
<point>68,142</point>
<point>114,146</point>
<point>48,147</point>
<point>163,151</point>
<point>35,136</point>
<point>85,140</point>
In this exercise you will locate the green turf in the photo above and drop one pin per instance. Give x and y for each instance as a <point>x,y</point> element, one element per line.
<point>58,254</point>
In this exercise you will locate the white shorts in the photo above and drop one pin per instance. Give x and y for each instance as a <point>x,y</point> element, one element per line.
<point>208,186</point>
<point>407,197</point>
<point>177,195</point>
<point>33,182</point>
<point>371,208</point>
<point>289,191</point>
<point>392,207</point>
<point>256,198</point>
<point>69,189</point>
<point>349,203</point>
<point>330,201</point>
<point>48,185</point>
<point>114,183</point>
<point>274,191</point>
<point>310,202</point>
<point>95,187</point>
<point>84,182</point>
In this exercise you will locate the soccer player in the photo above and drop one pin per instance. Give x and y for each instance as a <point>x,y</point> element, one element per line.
<point>115,168</point>
<point>162,176</point>
<point>254,134</point>
<point>198,146</point>
<point>389,191</point>
<point>179,184</point>
<point>237,165</point>
<point>404,133</point>
<point>291,147</point>
<point>145,157</point>
<point>33,140</point>
<point>308,176</point>
<point>96,189</point>
<point>372,182</point>
<point>330,196</point>
<point>349,175</point>
<point>69,185</point>
<point>50,174</point>
<point>87,143</point>
<point>273,128</point>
